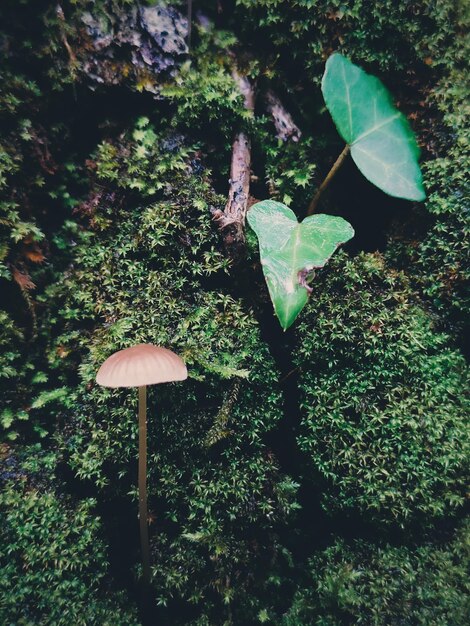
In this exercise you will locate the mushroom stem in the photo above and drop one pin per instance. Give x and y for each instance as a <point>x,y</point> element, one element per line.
<point>144,535</point>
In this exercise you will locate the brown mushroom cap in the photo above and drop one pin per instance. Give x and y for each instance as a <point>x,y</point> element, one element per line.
<point>144,364</point>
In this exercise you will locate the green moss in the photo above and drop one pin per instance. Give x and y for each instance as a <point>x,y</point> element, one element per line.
<point>203,93</point>
<point>383,413</point>
<point>440,256</point>
<point>149,268</point>
<point>356,582</point>
<point>394,36</point>
<point>53,566</point>
<point>17,227</point>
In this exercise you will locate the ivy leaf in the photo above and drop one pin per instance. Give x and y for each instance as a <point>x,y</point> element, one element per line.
<point>289,251</point>
<point>382,143</point>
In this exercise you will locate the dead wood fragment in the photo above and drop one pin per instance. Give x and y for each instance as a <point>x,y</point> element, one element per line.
<point>285,126</point>
<point>232,220</point>
<point>246,89</point>
<point>25,283</point>
<point>22,279</point>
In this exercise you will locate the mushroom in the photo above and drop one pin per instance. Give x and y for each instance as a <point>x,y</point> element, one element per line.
<point>139,366</point>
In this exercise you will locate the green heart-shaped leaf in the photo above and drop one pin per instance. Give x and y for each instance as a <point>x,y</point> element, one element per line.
<point>289,251</point>
<point>382,143</point>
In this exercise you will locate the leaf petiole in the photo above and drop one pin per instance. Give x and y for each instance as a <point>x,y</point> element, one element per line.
<point>329,177</point>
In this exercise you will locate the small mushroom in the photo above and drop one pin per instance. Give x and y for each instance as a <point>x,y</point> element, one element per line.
<point>139,366</point>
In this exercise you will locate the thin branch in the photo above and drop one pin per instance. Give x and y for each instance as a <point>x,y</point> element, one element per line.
<point>331,174</point>
<point>289,374</point>
<point>70,52</point>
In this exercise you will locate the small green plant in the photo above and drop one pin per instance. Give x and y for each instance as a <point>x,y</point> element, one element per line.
<point>290,251</point>
<point>381,143</point>
<point>377,135</point>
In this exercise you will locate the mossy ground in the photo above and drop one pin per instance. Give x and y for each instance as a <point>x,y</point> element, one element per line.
<point>309,477</point>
